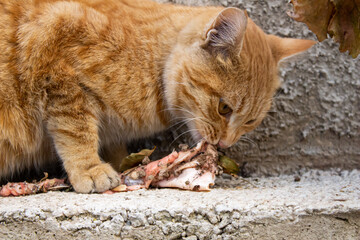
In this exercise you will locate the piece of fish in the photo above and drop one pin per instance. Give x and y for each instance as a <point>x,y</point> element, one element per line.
<point>190,169</point>
<point>25,188</point>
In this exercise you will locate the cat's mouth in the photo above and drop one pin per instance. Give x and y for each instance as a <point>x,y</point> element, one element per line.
<point>222,144</point>
<point>199,135</point>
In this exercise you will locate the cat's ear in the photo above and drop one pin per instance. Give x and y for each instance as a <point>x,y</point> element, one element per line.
<point>286,47</point>
<point>224,36</point>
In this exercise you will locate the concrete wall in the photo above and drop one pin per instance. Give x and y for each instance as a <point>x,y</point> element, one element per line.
<point>315,120</point>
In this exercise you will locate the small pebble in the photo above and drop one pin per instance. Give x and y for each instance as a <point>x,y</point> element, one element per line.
<point>134,175</point>
<point>146,160</point>
<point>183,147</point>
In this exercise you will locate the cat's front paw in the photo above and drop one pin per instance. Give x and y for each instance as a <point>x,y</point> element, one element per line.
<point>99,178</point>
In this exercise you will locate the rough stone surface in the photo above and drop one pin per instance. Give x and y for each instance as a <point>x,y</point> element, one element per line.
<point>314,122</point>
<point>310,205</point>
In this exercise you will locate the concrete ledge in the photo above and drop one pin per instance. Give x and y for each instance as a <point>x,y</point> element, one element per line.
<point>311,205</point>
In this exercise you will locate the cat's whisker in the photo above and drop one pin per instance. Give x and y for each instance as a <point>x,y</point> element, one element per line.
<point>190,130</point>
<point>176,123</point>
<point>269,116</point>
<point>243,140</point>
<point>186,111</point>
<point>202,139</point>
<point>185,122</point>
<point>194,117</point>
<point>252,142</point>
<point>172,109</point>
<point>207,123</point>
<point>272,111</point>
<point>179,108</point>
<point>176,119</point>
<point>182,119</point>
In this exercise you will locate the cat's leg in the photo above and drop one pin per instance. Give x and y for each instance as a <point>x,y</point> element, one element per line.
<point>114,154</point>
<point>73,124</point>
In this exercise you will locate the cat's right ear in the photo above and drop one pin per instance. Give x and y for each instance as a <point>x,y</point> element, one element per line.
<point>283,48</point>
<point>224,36</point>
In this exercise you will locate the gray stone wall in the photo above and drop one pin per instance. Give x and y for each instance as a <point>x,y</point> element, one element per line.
<point>315,119</point>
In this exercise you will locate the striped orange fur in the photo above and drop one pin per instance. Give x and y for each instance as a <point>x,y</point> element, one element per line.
<point>80,76</point>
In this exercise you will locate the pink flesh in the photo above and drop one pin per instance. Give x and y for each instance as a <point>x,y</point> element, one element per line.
<point>183,156</point>
<point>153,168</point>
<point>25,188</point>
<point>192,177</point>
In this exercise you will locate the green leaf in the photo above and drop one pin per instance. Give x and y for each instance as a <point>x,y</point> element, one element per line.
<point>135,159</point>
<point>229,165</point>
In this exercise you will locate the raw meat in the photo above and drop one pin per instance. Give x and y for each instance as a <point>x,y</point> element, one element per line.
<point>25,188</point>
<point>190,169</point>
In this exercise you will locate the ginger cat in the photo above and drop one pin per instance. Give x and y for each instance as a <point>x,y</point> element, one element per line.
<point>87,76</point>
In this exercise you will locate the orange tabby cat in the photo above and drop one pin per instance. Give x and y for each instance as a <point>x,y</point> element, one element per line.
<point>77,77</point>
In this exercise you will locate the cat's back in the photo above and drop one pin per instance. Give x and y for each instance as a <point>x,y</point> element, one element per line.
<point>17,12</point>
<point>41,29</point>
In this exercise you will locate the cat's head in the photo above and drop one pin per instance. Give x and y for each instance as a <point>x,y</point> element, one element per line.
<point>222,75</point>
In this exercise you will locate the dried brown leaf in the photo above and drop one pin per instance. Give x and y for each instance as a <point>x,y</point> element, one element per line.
<point>338,18</point>
<point>135,159</point>
<point>344,27</point>
<point>314,13</point>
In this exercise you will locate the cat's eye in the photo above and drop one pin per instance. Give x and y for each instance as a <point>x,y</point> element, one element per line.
<point>224,109</point>
<point>250,122</point>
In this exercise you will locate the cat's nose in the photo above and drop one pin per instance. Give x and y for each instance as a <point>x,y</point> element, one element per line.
<point>222,144</point>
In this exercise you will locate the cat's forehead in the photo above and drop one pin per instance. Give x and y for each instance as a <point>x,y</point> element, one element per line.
<point>251,76</point>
